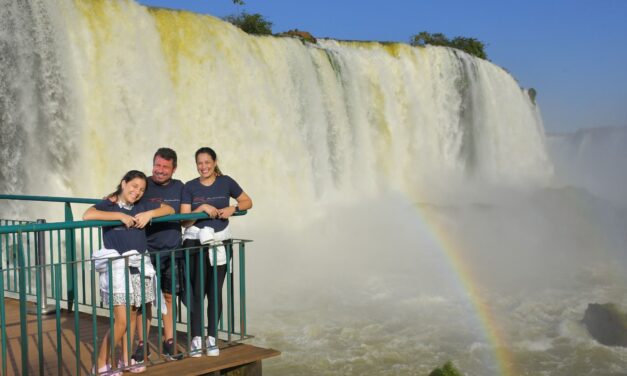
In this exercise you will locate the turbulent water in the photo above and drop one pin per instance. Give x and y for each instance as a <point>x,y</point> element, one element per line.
<point>394,187</point>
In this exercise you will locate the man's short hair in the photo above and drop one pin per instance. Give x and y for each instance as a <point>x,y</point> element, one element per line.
<point>167,154</point>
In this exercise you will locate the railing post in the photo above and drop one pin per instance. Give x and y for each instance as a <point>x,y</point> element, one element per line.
<point>40,262</point>
<point>242,290</point>
<point>70,258</point>
<point>22,291</point>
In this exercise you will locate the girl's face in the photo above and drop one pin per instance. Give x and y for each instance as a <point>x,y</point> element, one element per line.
<point>133,190</point>
<point>205,165</point>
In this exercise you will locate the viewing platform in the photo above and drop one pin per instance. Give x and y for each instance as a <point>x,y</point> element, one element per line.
<point>53,319</point>
<point>235,359</point>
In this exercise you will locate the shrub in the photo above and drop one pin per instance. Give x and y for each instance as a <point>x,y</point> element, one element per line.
<point>472,46</point>
<point>251,23</point>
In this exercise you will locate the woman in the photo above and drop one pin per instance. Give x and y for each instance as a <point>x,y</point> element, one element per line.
<point>209,193</point>
<point>129,240</point>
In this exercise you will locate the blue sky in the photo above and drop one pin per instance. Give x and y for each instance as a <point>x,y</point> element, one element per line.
<point>573,52</point>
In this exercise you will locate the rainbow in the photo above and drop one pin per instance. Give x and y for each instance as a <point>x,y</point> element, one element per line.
<point>451,246</point>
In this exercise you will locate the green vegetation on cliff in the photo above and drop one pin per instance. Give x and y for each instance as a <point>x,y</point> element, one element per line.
<point>251,23</point>
<point>470,45</point>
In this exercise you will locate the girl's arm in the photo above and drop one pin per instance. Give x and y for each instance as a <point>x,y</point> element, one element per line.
<point>142,219</point>
<point>93,214</point>
<point>244,202</point>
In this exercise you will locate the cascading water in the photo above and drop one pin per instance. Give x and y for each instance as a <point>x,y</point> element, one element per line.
<point>355,154</point>
<point>110,81</point>
<point>35,115</point>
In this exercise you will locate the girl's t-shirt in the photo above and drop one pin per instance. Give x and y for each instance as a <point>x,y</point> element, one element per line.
<point>121,238</point>
<point>217,195</point>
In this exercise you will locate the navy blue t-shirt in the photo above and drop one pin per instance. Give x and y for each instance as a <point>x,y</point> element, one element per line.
<point>121,238</point>
<point>164,235</point>
<point>217,195</point>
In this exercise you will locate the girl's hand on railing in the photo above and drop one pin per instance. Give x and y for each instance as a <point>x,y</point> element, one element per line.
<point>127,220</point>
<point>142,219</point>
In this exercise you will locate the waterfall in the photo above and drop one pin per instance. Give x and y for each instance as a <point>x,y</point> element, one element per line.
<point>89,89</point>
<point>346,148</point>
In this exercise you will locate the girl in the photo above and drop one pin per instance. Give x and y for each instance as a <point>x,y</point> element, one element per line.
<point>209,193</point>
<point>130,238</point>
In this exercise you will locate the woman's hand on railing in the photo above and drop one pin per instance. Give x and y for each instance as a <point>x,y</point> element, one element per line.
<point>211,211</point>
<point>226,212</point>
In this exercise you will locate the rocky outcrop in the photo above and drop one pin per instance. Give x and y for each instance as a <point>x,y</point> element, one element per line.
<point>532,94</point>
<point>302,35</point>
<point>607,324</point>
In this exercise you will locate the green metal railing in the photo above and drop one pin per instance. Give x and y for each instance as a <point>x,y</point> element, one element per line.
<point>26,262</point>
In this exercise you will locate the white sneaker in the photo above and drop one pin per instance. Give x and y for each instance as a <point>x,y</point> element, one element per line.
<point>212,348</point>
<point>196,349</point>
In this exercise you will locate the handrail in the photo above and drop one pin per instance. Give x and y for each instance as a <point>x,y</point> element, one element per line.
<point>32,227</point>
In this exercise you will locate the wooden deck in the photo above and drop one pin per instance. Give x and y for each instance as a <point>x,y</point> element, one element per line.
<point>232,357</point>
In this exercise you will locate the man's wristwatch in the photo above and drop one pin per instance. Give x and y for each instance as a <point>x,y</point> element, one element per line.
<point>236,208</point>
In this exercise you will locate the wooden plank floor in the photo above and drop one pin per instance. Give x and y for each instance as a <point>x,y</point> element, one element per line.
<point>232,355</point>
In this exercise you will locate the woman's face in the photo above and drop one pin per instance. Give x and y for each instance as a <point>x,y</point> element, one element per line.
<point>133,190</point>
<point>205,165</point>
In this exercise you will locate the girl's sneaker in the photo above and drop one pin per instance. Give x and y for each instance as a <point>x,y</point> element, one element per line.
<point>105,371</point>
<point>137,367</point>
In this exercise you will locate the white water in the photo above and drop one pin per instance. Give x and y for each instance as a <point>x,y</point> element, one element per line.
<point>352,152</point>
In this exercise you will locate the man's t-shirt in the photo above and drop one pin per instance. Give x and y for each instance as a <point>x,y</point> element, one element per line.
<point>217,195</point>
<point>121,238</point>
<point>164,235</point>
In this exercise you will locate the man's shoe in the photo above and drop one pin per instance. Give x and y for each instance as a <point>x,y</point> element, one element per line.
<point>169,352</point>
<point>212,348</point>
<point>138,356</point>
<point>196,349</point>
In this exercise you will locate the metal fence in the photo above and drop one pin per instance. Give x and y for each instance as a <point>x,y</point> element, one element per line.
<point>48,268</point>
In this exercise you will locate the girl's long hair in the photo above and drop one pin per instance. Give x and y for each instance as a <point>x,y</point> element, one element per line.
<point>133,174</point>
<point>212,154</point>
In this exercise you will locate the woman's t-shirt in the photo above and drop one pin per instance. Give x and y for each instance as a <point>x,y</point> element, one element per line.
<point>121,238</point>
<point>217,195</point>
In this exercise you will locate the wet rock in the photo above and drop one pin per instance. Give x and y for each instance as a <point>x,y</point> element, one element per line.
<point>607,324</point>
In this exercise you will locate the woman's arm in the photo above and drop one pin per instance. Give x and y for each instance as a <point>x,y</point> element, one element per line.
<point>244,202</point>
<point>187,208</point>
<point>93,214</point>
<point>142,219</point>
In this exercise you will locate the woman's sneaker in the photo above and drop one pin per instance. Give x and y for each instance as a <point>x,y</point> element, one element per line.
<point>169,352</point>
<point>212,348</point>
<point>196,349</point>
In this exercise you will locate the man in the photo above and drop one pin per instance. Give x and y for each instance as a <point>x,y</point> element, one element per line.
<point>163,237</point>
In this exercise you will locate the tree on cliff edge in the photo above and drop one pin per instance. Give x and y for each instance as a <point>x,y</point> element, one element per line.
<point>472,46</point>
<point>251,23</point>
